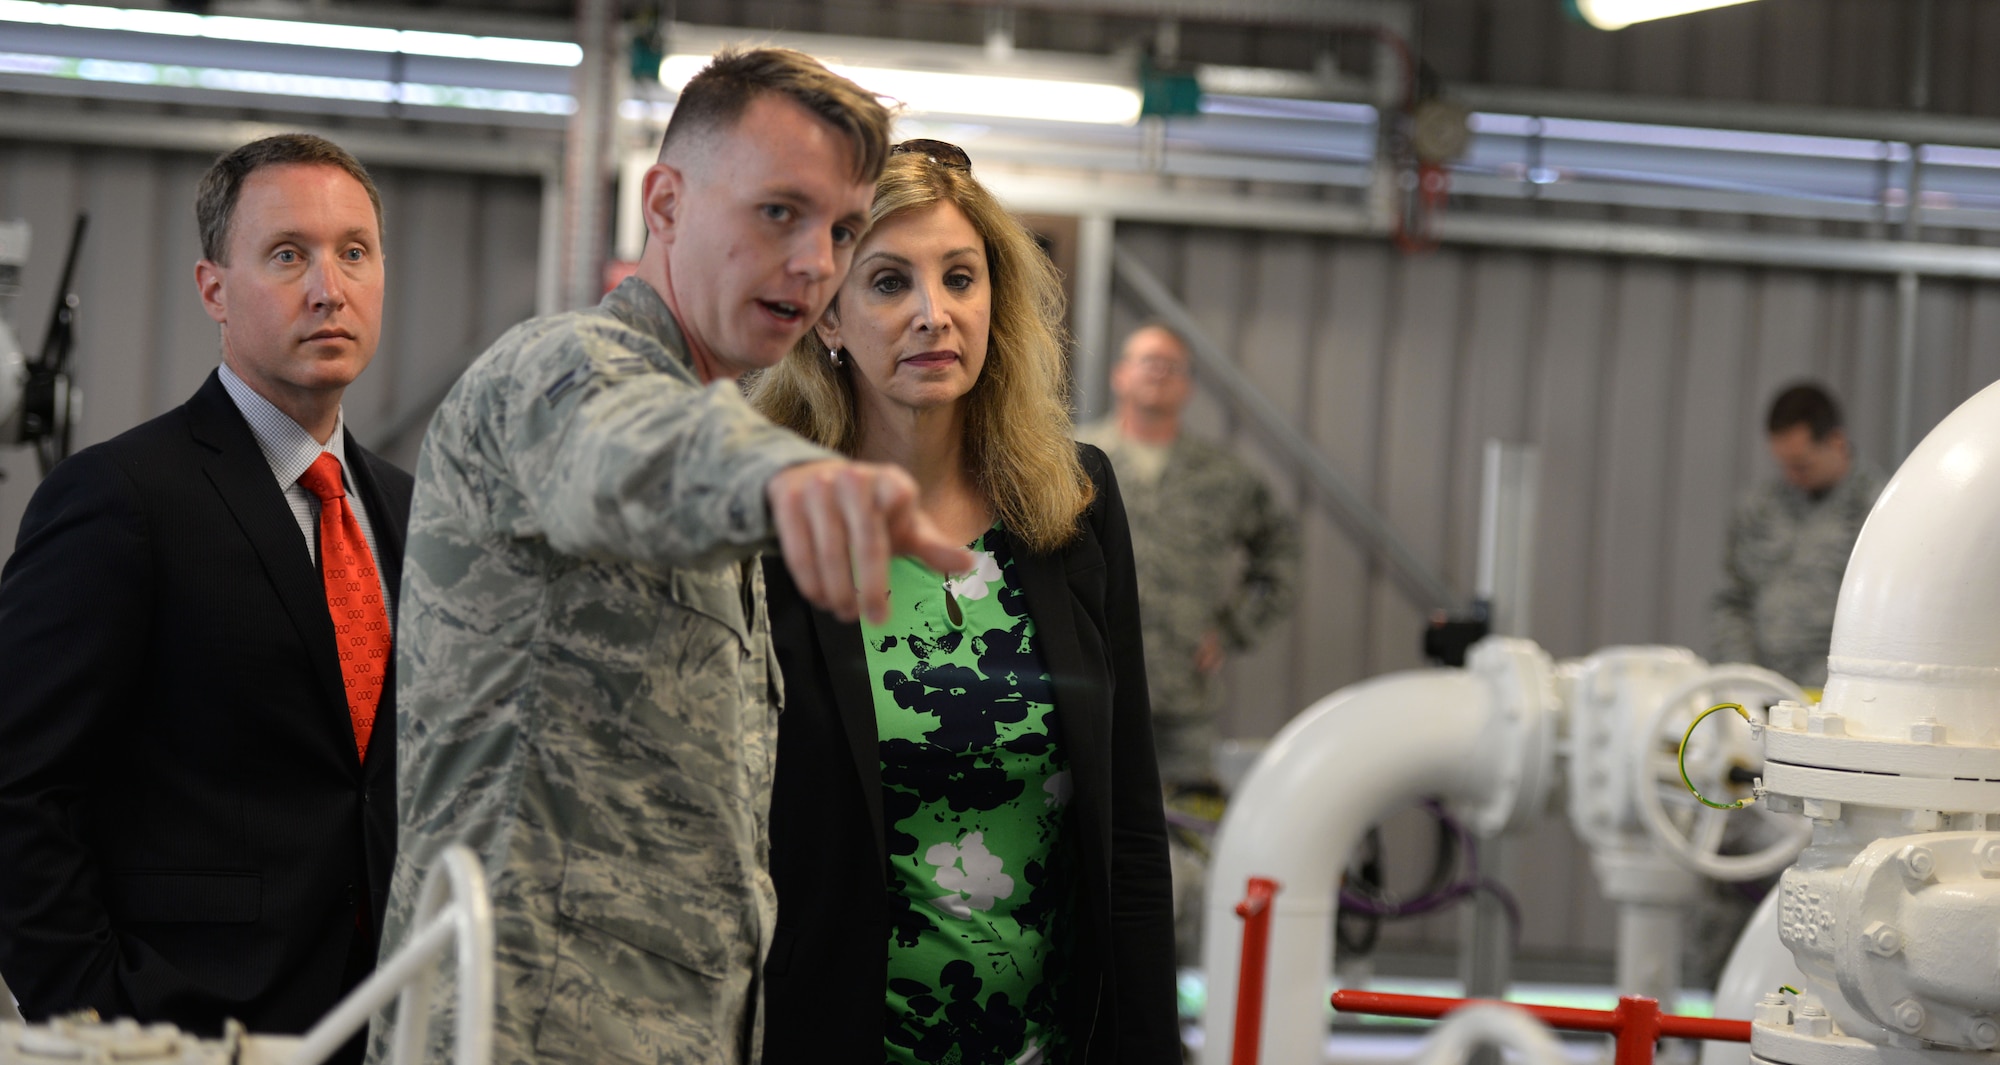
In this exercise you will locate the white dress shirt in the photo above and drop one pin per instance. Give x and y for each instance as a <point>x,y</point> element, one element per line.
<point>290,451</point>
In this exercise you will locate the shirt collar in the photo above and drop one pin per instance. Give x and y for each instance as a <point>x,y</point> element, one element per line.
<point>287,447</point>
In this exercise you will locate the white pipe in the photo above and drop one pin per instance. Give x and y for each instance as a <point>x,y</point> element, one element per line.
<point>1491,1024</point>
<point>1649,951</point>
<point>1917,630</point>
<point>1759,963</point>
<point>1340,766</point>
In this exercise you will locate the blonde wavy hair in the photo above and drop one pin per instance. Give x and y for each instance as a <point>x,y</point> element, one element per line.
<point>1017,425</point>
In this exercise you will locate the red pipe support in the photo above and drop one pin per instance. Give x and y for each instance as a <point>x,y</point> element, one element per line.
<point>1637,1022</point>
<point>1255,909</point>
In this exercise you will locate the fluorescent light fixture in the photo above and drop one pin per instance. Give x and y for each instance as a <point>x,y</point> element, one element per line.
<point>273,83</point>
<point>991,95</point>
<point>1618,14</point>
<point>300,34</point>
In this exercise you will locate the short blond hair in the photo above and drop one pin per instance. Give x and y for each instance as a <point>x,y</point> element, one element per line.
<point>715,98</point>
<point>1017,425</point>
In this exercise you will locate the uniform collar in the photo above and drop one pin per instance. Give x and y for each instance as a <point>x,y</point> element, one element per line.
<point>636,304</point>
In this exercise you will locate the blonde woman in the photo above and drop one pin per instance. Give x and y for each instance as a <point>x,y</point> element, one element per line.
<point>966,830</point>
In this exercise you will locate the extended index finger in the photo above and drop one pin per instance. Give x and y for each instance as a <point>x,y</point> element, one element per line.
<point>867,541</point>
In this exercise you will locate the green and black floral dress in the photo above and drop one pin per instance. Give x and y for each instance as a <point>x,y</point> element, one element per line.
<point>975,795</point>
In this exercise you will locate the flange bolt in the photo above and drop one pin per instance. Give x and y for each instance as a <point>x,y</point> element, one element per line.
<point>1989,858</point>
<point>1881,939</point>
<point>1983,1034</point>
<point>1907,1015</point>
<point>1917,862</point>
<point>1811,1020</point>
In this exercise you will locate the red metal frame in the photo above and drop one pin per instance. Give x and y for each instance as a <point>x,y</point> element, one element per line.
<point>1637,1022</point>
<point>1255,909</point>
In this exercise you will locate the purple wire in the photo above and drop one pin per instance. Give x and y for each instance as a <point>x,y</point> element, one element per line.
<point>1471,883</point>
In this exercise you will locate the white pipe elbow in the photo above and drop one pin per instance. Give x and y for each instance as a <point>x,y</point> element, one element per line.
<point>1478,737</point>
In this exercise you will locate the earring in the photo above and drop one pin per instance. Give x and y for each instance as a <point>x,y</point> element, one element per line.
<point>837,357</point>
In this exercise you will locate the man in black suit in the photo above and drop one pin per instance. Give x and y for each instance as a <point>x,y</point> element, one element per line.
<point>197,763</point>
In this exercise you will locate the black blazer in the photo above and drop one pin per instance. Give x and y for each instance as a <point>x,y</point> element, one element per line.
<point>827,973</point>
<point>186,830</point>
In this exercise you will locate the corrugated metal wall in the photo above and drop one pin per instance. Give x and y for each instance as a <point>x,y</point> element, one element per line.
<point>461,256</point>
<point>1643,382</point>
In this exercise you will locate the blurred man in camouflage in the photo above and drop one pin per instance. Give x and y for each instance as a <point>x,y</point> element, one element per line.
<point>590,692</point>
<point>1789,542</point>
<point>1217,558</point>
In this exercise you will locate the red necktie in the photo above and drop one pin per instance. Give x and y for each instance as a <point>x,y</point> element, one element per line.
<point>353,597</point>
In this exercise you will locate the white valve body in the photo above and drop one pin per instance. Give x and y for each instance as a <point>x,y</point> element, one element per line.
<point>1893,912</point>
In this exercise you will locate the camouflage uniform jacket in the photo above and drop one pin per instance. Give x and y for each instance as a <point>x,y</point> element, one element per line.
<point>1781,573</point>
<point>588,691</point>
<point>1214,551</point>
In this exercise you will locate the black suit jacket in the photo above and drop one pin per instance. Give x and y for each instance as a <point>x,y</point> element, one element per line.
<point>827,973</point>
<point>186,830</point>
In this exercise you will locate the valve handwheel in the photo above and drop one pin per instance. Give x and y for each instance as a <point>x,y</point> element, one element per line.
<point>1687,828</point>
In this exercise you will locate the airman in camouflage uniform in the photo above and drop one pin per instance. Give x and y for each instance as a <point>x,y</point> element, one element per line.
<point>588,692</point>
<point>1217,557</point>
<point>589,695</point>
<point>1789,542</point>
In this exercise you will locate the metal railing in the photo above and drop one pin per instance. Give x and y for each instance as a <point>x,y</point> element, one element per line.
<point>453,910</point>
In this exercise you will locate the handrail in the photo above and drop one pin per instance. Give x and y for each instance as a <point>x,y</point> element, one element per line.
<point>1255,909</point>
<point>1637,1022</point>
<point>465,920</point>
<point>1425,589</point>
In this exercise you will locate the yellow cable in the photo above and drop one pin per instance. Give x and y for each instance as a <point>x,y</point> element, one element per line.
<point>1683,760</point>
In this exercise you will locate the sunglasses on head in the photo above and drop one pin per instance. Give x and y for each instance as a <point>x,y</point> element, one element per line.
<point>943,153</point>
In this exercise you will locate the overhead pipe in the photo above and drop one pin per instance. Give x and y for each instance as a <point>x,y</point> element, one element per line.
<point>1478,737</point>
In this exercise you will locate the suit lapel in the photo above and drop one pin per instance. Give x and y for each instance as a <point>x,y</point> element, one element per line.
<point>1081,690</point>
<point>243,479</point>
<point>854,700</point>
